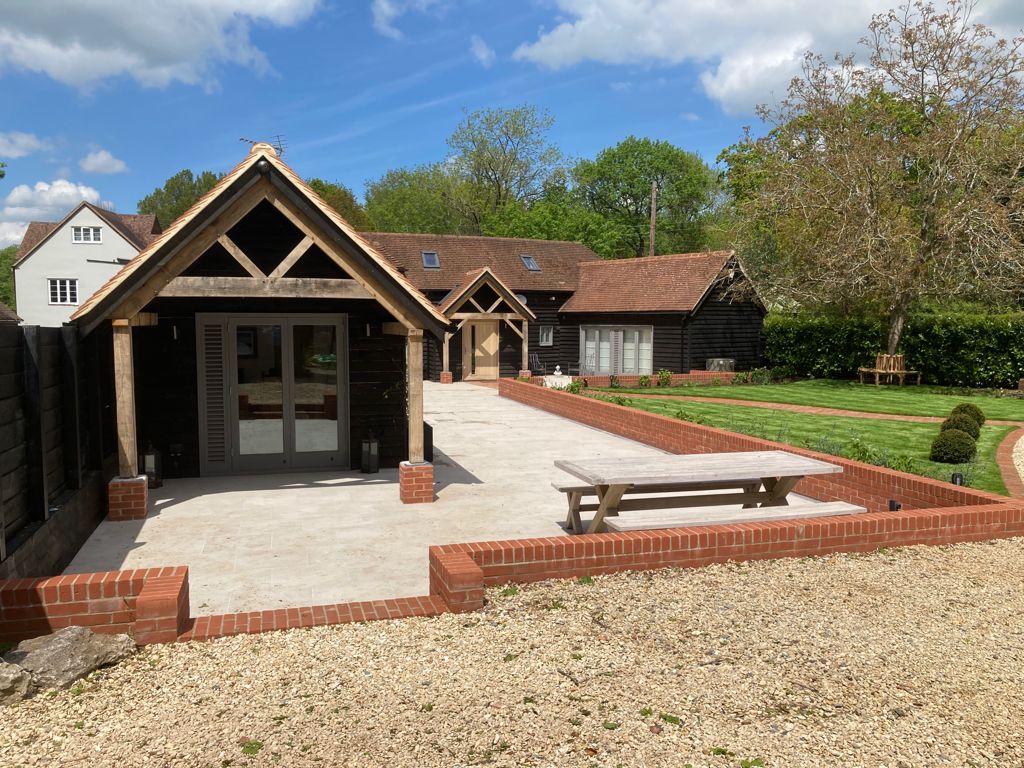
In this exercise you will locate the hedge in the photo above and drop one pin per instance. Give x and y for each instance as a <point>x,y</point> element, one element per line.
<point>962,350</point>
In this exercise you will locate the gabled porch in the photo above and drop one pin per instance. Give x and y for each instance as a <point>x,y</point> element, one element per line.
<point>258,334</point>
<point>480,307</point>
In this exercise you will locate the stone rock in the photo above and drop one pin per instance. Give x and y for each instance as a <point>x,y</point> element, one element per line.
<point>57,660</point>
<point>15,684</point>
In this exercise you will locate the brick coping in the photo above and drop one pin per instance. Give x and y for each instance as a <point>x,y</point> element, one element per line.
<point>1008,467</point>
<point>814,410</point>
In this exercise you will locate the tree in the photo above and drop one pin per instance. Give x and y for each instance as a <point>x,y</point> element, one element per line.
<point>895,180</point>
<point>177,195</point>
<point>341,199</point>
<point>617,185</point>
<point>7,258</point>
<point>3,171</point>
<point>417,200</point>
<point>559,215</point>
<point>504,157</point>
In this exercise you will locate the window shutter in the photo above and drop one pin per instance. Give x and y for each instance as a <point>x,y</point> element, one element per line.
<point>213,397</point>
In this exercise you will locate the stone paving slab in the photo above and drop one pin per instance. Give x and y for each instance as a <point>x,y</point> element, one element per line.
<point>269,541</point>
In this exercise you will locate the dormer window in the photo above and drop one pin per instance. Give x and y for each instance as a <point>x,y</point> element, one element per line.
<point>87,234</point>
<point>530,263</point>
<point>430,260</point>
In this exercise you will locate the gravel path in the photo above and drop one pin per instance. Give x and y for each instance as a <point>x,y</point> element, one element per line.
<point>1018,457</point>
<point>905,658</point>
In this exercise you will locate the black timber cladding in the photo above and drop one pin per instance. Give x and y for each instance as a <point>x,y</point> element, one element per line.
<point>166,376</point>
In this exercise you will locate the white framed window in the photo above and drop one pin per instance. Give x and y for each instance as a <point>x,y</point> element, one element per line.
<point>87,234</point>
<point>614,350</point>
<point>547,335</point>
<point>63,290</point>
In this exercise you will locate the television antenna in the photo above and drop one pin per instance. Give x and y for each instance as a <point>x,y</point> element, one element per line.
<point>278,142</point>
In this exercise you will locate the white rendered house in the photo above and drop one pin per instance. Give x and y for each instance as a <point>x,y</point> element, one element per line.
<point>62,264</point>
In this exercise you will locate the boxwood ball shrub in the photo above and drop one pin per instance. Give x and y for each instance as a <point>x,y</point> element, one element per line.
<point>971,411</point>
<point>953,447</point>
<point>962,422</point>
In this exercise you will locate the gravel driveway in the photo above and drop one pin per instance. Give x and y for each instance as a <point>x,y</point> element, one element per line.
<point>905,658</point>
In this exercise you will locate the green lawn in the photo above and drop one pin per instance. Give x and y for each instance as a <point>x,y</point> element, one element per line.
<point>898,444</point>
<point>852,396</point>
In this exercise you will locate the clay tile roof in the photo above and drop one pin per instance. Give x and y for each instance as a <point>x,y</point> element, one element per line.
<point>7,315</point>
<point>458,254</point>
<point>35,234</point>
<point>674,283</point>
<point>140,229</point>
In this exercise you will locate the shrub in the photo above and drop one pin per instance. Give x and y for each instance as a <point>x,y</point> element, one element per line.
<point>762,376</point>
<point>575,386</point>
<point>953,447</point>
<point>963,423</point>
<point>524,379</point>
<point>645,380</point>
<point>971,411</point>
<point>664,378</point>
<point>962,349</point>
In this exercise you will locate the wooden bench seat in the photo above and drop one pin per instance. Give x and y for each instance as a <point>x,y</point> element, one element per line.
<point>888,367</point>
<point>718,516</point>
<point>652,497</point>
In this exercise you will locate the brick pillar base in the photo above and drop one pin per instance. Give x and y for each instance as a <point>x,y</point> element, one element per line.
<point>446,377</point>
<point>416,482</point>
<point>1020,385</point>
<point>162,609</point>
<point>128,498</point>
<point>525,374</point>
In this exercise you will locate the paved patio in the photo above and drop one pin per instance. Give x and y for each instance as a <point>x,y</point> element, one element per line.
<point>305,539</point>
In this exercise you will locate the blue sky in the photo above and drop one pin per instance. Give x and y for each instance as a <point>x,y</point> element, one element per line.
<point>104,99</point>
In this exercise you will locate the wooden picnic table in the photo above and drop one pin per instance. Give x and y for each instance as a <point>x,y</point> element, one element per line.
<point>748,478</point>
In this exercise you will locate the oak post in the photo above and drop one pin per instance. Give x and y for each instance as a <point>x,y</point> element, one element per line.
<point>124,394</point>
<point>414,373</point>
<point>526,347</point>
<point>444,352</point>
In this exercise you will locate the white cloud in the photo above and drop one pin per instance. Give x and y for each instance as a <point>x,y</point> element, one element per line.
<point>154,41</point>
<point>387,12</point>
<point>747,50</point>
<point>101,161</point>
<point>481,51</point>
<point>44,201</point>
<point>690,117</point>
<point>15,144</point>
<point>11,232</point>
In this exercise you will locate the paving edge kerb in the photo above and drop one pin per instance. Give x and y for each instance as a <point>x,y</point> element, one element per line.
<point>153,605</point>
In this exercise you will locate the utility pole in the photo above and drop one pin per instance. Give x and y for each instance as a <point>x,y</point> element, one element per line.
<point>654,213</point>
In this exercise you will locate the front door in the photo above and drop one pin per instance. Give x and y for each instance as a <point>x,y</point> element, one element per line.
<point>284,380</point>
<point>480,349</point>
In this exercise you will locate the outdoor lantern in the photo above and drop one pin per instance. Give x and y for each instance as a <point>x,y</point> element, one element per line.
<point>371,455</point>
<point>894,506</point>
<point>958,478</point>
<point>152,466</point>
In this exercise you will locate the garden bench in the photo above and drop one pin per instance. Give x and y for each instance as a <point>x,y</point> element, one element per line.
<point>888,367</point>
<point>716,516</point>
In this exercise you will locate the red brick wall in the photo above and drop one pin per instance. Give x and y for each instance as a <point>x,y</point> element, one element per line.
<point>416,483</point>
<point>112,602</point>
<point>459,572</point>
<point>863,484</point>
<point>127,498</point>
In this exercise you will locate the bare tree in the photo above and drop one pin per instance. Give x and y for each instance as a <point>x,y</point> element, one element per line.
<point>897,179</point>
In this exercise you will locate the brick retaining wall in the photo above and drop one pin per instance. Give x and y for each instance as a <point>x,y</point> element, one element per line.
<point>862,484</point>
<point>459,572</point>
<point>143,603</point>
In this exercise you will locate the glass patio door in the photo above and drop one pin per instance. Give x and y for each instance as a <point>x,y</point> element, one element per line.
<point>286,381</point>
